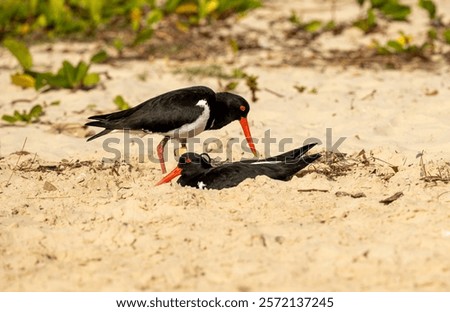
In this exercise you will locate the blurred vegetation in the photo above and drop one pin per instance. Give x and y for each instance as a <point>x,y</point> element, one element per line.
<point>125,24</point>
<point>120,102</point>
<point>28,117</point>
<point>60,18</point>
<point>69,76</point>
<point>388,11</point>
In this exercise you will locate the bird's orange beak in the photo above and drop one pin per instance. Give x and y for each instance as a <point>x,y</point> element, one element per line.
<point>174,173</point>
<point>244,124</point>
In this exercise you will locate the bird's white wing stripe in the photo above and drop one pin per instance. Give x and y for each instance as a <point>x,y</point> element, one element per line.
<point>267,162</point>
<point>194,128</point>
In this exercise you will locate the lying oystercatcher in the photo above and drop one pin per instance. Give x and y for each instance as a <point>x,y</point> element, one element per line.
<point>196,170</point>
<point>179,114</point>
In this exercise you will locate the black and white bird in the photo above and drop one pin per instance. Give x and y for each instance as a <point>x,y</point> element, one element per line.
<point>179,114</point>
<point>196,170</point>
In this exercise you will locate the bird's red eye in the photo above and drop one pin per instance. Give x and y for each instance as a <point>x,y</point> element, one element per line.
<point>242,108</point>
<point>188,160</point>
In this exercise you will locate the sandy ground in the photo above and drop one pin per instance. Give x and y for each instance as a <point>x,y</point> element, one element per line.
<point>69,222</point>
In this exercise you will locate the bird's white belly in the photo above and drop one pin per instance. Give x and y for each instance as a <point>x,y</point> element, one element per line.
<point>192,129</point>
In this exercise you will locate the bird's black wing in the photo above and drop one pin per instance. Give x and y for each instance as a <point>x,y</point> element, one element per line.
<point>168,111</point>
<point>291,155</point>
<point>225,176</point>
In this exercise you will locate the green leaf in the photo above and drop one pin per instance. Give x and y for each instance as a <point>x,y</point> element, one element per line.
<point>379,3</point>
<point>58,81</point>
<point>118,44</point>
<point>171,5</point>
<point>18,115</point>
<point>446,35</point>
<point>429,6</point>
<point>313,26</point>
<point>201,9</point>
<point>81,72</point>
<point>26,117</point>
<point>367,24</point>
<point>35,111</point>
<point>42,79</point>
<point>231,85</point>
<point>20,51</point>
<point>330,26</point>
<point>69,73</point>
<point>23,80</point>
<point>143,36</point>
<point>32,115</point>
<point>432,34</point>
<point>396,11</point>
<point>9,118</point>
<point>395,45</point>
<point>135,15</point>
<point>238,73</point>
<point>121,103</point>
<point>154,17</point>
<point>91,80</point>
<point>99,57</point>
<point>95,10</point>
<point>371,18</point>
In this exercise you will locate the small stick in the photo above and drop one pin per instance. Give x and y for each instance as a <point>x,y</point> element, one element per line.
<point>17,162</point>
<point>24,100</point>
<point>313,190</point>
<point>274,92</point>
<point>392,198</point>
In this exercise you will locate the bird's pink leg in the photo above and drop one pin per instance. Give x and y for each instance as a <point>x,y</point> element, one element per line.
<point>160,151</point>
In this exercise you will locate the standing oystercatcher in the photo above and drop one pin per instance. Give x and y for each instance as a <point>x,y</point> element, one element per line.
<point>196,170</point>
<point>179,114</point>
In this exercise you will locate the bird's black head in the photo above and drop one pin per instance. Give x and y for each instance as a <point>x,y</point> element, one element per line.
<point>230,107</point>
<point>189,164</point>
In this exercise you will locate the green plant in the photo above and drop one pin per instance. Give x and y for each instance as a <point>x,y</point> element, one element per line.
<point>196,11</point>
<point>390,9</point>
<point>429,6</point>
<point>252,83</point>
<point>20,51</point>
<point>402,45</point>
<point>81,18</point>
<point>302,89</point>
<point>446,35</point>
<point>313,26</point>
<point>121,103</point>
<point>100,57</point>
<point>387,9</point>
<point>367,23</point>
<point>69,76</point>
<point>31,116</point>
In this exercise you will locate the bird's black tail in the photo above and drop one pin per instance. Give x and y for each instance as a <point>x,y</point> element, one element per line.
<point>110,121</point>
<point>306,160</point>
<point>98,123</point>
<point>292,166</point>
<point>101,133</point>
<point>291,156</point>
